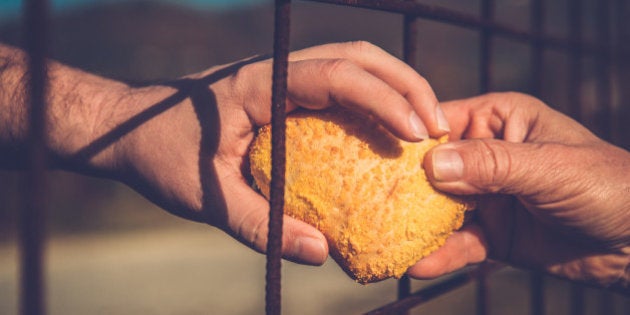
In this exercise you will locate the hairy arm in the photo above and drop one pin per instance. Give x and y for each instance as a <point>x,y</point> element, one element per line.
<point>183,144</point>
<point>78,103</point>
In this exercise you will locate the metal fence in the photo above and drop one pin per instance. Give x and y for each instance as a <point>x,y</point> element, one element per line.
<point>573,43</point>
<point>610,51</point>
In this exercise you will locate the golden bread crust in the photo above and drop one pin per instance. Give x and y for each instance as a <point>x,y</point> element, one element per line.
<point>363,188</point>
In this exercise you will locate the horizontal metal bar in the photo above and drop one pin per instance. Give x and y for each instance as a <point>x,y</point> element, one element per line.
<point>442,14</point>
<point>426,294</point>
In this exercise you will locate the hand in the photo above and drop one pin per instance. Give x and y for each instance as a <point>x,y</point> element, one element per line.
<point>552,196</point>
<point>185,143</point>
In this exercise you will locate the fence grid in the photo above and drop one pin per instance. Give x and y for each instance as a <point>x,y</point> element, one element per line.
<point>485,23</point>
<point>610,53</point>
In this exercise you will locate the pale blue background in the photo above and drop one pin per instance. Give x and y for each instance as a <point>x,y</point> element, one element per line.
<point>12,8</point>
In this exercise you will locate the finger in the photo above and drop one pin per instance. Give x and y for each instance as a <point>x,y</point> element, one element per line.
<point>317,84</point>
<point>404,79</point>
<point>509,116</point>
<point>249,223</point>
<point>462,248</point>
<point>481,166</point>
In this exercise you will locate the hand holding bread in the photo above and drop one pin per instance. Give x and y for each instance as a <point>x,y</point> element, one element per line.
<point>363,188</point>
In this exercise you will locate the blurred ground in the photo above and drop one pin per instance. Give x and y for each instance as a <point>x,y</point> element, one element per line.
<point>112,252</point>
<point>193,269</point>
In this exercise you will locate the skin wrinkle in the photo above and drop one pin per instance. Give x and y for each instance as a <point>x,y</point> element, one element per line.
<point>500,170</point>
<point>533,125</point>
<point>258,240</point>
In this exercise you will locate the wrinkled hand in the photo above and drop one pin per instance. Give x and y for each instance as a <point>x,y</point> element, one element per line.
<point>552,196</point>
<point>189,153</point>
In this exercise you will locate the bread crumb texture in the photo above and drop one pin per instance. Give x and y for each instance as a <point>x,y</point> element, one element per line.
<point>363,188</point>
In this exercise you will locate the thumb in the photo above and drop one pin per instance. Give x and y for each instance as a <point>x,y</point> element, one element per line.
<point>481,166</point>
<point>301,243</point>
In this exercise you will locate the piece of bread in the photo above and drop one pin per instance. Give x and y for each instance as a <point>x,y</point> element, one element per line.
<point>364,189</point>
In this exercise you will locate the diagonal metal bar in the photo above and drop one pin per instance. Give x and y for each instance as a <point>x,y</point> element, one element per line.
<point>273,299</point>
<point>442,14</point>
<point>427,294</point>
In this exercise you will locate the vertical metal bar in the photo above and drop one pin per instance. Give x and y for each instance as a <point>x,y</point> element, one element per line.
<point>577,299</point>
<point>32,216</point>
<point>537,299</point>
<point>404,291</point>
<point>618,69</point>
<point>575,59</point>
<point>410,46</point>
<point>604,99</point>
<point>410,40</point>
<point>485,64</point>
<point>603,91</point>
<point>575,110</point>
<point>622,66</point>
<point>273,301</point>
<point>485,83</point>
<point>537,25</point>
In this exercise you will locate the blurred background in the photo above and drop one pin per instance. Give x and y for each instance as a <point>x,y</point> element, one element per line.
<point>112,252</point>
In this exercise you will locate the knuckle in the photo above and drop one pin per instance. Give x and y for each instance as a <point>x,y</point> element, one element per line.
<point>363,47</point>
<point>335,68</point>
<point>252,230</point>
<point>258,235</point>
<point>246,72</point>
<point>388,103</point>
<point>493,165</point>
<point>423,81</point>
<point>246,75</point>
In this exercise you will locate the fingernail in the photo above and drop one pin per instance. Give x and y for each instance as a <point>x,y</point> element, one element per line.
<point>441,119</point>
<point>310,250</point>
<point>448,165</point>
<point>417,126</point>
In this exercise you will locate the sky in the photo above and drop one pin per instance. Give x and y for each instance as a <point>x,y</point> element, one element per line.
<point>11,8</point>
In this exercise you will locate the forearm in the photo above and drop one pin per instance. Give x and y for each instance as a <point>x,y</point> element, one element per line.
<point>77,106</point>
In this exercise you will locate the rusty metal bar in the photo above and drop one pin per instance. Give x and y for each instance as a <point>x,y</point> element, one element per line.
<point>273,299</point>
<point>404,291</point>
<point>485,84</point>
<point>485,48</point>
<point>442,14</point>
<point>33,214</point>
<point>537,25</point>
<point>603,89</point>
<point>618,69</point>
<point>575,59</point>
<point>604,103</point>
<point>410,40</point>
<point>537,298</point>
<point>427,294</point>
<point>622,67</point>
<point>575,110</point>
<point>410,46</point>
